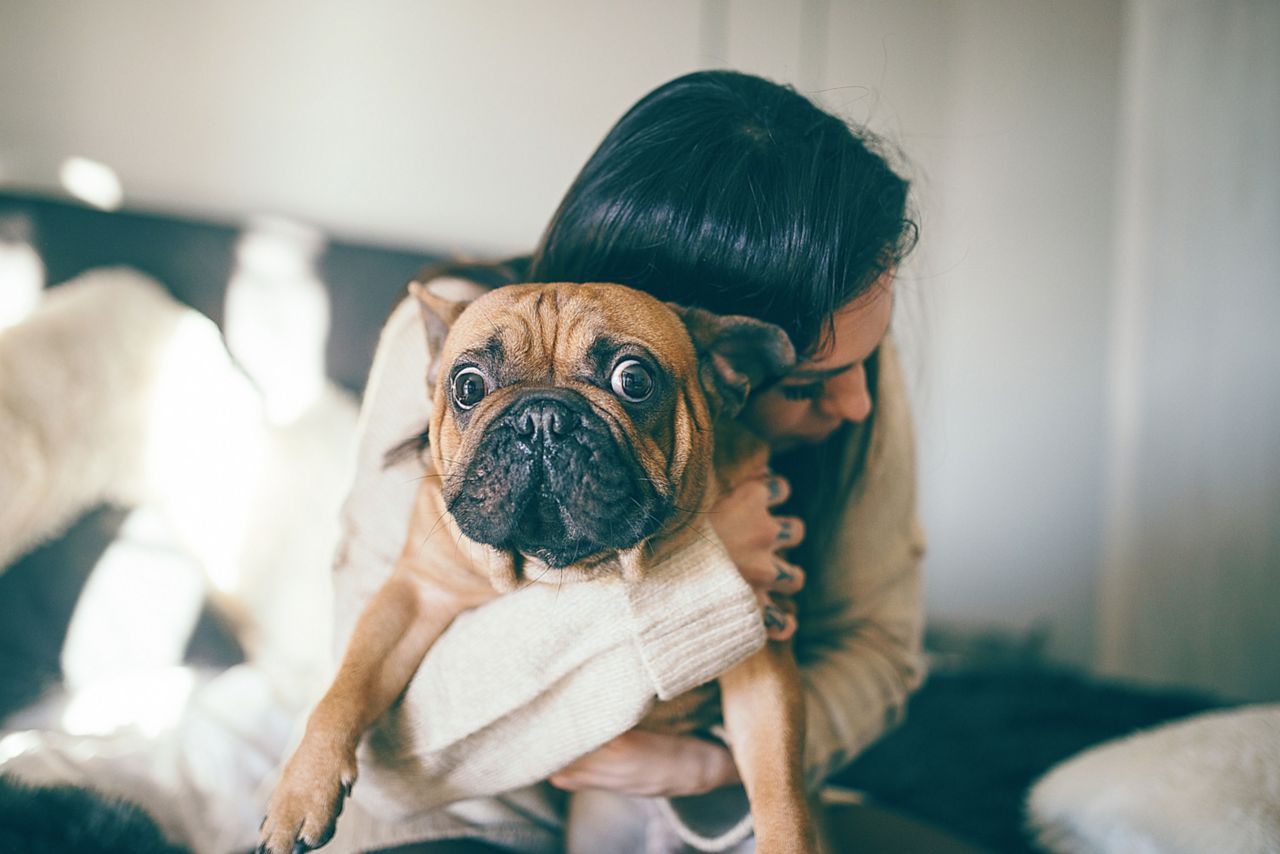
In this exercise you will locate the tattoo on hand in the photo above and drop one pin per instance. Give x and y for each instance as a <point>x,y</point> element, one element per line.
<point>783,575</point>
<point>773,618</point>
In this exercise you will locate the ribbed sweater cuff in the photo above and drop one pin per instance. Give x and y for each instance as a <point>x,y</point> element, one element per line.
<point>695,616</point>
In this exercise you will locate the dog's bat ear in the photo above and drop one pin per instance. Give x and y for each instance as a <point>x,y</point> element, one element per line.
<point>736,354</point>
<point>441,302</point>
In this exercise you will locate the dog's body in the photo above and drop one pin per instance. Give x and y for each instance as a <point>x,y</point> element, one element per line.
<point>572,425</point>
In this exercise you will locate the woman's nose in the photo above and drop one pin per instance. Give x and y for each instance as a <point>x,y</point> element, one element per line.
<point>847,396</point>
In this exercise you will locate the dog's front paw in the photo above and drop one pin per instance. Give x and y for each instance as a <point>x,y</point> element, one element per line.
<point>303,810</point>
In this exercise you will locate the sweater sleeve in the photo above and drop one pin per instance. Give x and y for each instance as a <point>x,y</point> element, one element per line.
<point>859,642</point>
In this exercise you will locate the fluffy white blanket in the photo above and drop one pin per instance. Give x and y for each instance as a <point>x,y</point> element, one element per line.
<point>76,381</point>
<point>1209,784</point>
<point>111,391</point>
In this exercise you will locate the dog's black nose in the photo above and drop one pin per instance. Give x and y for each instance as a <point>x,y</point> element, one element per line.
<point>545,419</point>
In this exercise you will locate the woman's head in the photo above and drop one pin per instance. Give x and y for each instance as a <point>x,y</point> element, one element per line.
<point>732,193</point>
<point>834,386</point>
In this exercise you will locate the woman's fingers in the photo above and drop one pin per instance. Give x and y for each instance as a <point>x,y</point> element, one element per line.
<point>778,490</point>
<point>779,623</point>
<point>774,575</point>
<point>755,538</point>
<point>788,578</point>
<point>790,531</point>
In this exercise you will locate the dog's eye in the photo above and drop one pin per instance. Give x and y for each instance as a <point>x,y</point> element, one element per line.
<point>632,381</point>
<point>468,387</point>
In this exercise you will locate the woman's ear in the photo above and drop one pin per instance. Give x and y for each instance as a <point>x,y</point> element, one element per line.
<point>735,355</point>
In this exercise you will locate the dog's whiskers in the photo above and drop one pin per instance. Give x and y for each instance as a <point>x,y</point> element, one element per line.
<point>431,532</point>
<point>536,580</point>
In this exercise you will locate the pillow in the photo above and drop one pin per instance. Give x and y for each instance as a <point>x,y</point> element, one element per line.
<point>1207,783</point>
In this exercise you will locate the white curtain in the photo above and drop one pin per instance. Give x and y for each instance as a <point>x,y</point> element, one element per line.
<point>1190,586</point>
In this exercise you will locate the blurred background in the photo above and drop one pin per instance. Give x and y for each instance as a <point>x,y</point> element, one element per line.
<point>1089,319</point>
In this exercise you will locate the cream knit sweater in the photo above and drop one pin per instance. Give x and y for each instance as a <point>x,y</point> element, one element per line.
<point>519,688</point>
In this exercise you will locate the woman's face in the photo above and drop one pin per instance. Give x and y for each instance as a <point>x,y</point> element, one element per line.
<point>824,392</point>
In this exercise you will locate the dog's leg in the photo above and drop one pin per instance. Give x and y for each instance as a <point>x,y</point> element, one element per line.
<point>392,636</point>
<point>763,704</point>
<point>434,580</point>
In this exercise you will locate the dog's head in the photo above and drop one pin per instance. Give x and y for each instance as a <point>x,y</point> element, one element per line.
<point>574,422</point>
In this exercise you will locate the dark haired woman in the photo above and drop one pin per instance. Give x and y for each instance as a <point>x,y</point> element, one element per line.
<point>738,195</point>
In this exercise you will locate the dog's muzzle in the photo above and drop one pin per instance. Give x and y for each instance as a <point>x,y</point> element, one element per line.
<point>550,480</point>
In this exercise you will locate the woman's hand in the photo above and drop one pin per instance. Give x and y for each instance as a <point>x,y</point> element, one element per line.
<point>754,538</point>
<point>651,764</point>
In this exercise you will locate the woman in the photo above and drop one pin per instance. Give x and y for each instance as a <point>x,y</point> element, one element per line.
<point>732,193</point>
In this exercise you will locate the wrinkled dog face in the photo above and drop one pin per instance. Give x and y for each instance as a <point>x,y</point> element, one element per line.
<point>569,422</point>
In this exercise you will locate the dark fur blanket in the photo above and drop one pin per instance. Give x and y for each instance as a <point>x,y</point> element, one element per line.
<point>74,820</point>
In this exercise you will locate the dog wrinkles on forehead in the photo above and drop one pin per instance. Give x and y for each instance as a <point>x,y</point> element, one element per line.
<point>600,354</point>
<point>555,317</point>
<point>490,352</point>
<point>546,313</point>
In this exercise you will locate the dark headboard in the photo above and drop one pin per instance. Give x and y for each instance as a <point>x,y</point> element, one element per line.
<point>195,260</point>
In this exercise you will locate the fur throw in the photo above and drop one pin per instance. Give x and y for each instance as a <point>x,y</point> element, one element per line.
<point>1209,783</point>
<point>112,391</point>
<point>75,378</point>
<point>64,818</point>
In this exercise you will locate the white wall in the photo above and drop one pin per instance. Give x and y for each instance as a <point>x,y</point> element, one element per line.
<point>1017,290</point>
<point>458,124</point>
<point>1192,571</point>
<point>422,123</point>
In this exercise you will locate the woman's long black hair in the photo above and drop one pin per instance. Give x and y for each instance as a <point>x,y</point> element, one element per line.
<point>733,193</point>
